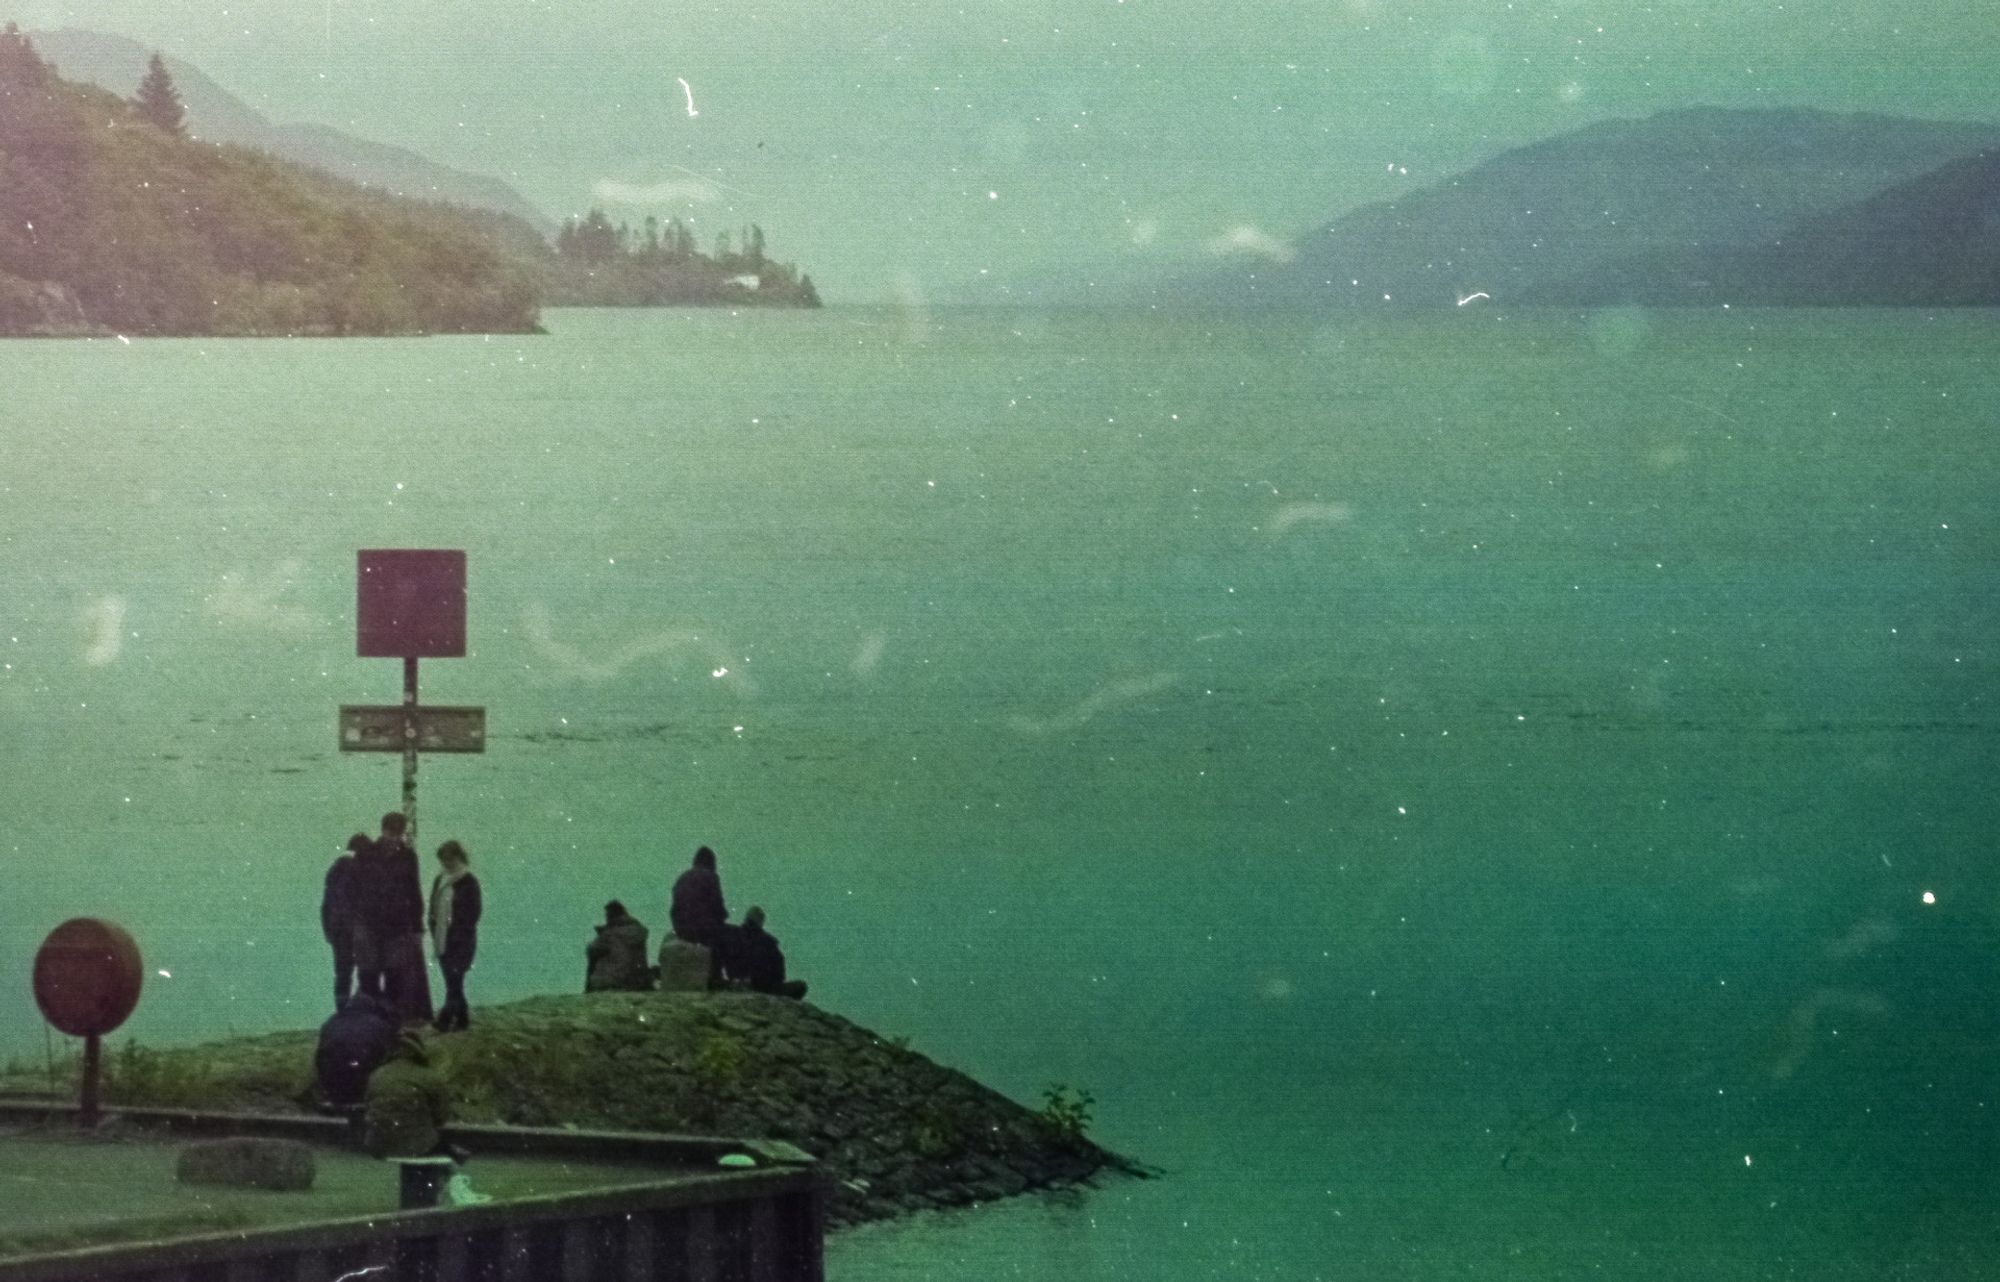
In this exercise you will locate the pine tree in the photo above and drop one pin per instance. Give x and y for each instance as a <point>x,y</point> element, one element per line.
<point>158,101</point>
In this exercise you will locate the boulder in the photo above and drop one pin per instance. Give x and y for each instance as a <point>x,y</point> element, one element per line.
<point>683,967</point>
<point>247,1162</point>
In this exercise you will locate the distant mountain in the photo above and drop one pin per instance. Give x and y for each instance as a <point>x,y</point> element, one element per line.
<point>1662,209</point>
<point>1933,241</point>
<point>216,115</point>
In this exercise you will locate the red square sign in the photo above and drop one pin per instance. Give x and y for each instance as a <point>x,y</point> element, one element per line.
<point>409,603</point>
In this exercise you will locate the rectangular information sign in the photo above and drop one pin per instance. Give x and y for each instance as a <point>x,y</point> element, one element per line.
<point>409,603</point>
<point>379,728</point>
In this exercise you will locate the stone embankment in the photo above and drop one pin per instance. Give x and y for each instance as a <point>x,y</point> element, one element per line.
<point>895,1131</point>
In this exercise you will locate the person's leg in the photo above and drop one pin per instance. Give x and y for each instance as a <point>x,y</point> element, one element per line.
<point>367,955</point>
<point>389,984</point>
<point>414,998</point>
<point>453,1015</point>
<point>343,971</point>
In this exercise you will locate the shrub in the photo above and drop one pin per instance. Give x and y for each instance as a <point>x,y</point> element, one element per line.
<point>1066,1111</point>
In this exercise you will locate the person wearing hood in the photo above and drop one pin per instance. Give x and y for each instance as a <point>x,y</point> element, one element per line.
<point>617,956</point>
<point>454,927</point>
<point>352,1044</point>
<point>407,1105</point>
<point>756,959</point>
<point>697,913</point>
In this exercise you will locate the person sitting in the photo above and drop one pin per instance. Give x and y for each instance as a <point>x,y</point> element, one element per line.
<point>407,1104</point>
<point>352,1044</point>
<point>754,957</point>
<point>696,911</point>
<point>407,1110</point>
<point>617,956</point>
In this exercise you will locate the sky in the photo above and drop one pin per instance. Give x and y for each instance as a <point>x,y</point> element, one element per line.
<point>910,150</point>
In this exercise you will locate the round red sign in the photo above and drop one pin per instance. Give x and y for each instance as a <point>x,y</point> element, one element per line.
<point>87,977</point>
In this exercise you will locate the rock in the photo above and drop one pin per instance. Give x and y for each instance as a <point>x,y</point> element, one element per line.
<point>247,1162</point>
<point>871,1109</point>
<point>683,967</point>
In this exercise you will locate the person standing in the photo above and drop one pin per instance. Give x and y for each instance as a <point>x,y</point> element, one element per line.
<point>391,904</point>
<point>337,917</point>
<point>454,922</point>
<point>697,913</point>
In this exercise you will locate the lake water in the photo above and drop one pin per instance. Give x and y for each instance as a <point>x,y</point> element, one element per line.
<point>1473,795</point>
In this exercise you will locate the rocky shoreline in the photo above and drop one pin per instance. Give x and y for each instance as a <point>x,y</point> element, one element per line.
<point>894,1131</point>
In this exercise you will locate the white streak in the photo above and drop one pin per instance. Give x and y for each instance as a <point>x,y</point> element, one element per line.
<point>1254,241</point>
<point>573,664</point>
<point>672,191</point>
<point>690,96</point>
<point>869,656</point>
<point>237,601</point>
<point>106,619</point>
<point>1103,699</point>
<point>1292,514</point>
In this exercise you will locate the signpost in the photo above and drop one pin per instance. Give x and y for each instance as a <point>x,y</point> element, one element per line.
<point>410,605</point>
<point>87,979</point>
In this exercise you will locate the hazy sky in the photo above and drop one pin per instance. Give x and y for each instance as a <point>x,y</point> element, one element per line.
<point>910,148</point>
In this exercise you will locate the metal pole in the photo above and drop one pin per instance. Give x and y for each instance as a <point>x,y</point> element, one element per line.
<point>92,1066</point>
<point>410,749</point>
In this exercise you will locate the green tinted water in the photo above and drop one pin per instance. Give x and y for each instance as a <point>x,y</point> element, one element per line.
<point>1354,751</point>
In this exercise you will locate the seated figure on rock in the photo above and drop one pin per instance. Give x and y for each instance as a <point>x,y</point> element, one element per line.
<point>617,956</point>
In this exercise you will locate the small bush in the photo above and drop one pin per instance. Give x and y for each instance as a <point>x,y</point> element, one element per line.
<point>1066,1111</point>
<point>718,1063</point>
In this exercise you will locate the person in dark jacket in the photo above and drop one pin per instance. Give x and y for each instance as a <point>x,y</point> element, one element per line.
<point>697,913</point>
<point>454,922</point>
<point>617,956</point>
<point>337,917</point>
<point>353,1044</point>
<point>389,899</point>
<point>755,958</point>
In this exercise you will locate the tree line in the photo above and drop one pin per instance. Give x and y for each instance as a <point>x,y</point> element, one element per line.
<point>606,265</point>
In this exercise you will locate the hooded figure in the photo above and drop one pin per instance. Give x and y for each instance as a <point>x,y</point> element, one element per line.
<point>697,913</point>
<point>617,956</point>
<point>352,1044</point>
<point>408,1105</point>
<point>755,958</point>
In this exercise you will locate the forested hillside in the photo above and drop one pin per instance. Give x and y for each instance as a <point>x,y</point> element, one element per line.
<point>112,219</point>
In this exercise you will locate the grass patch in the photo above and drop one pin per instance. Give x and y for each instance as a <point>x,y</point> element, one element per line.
<point>77,1236</point>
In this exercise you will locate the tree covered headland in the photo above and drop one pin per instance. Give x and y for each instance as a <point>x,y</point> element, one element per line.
<point>112,219</point>
<point>599,265</point>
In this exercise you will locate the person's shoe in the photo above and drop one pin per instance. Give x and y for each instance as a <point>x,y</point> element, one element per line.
<point>458,1191</point>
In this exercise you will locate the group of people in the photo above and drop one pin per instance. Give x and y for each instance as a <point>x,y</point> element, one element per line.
<point>376,917</point>
<point>369,1063</point>
<point>740,955</point>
